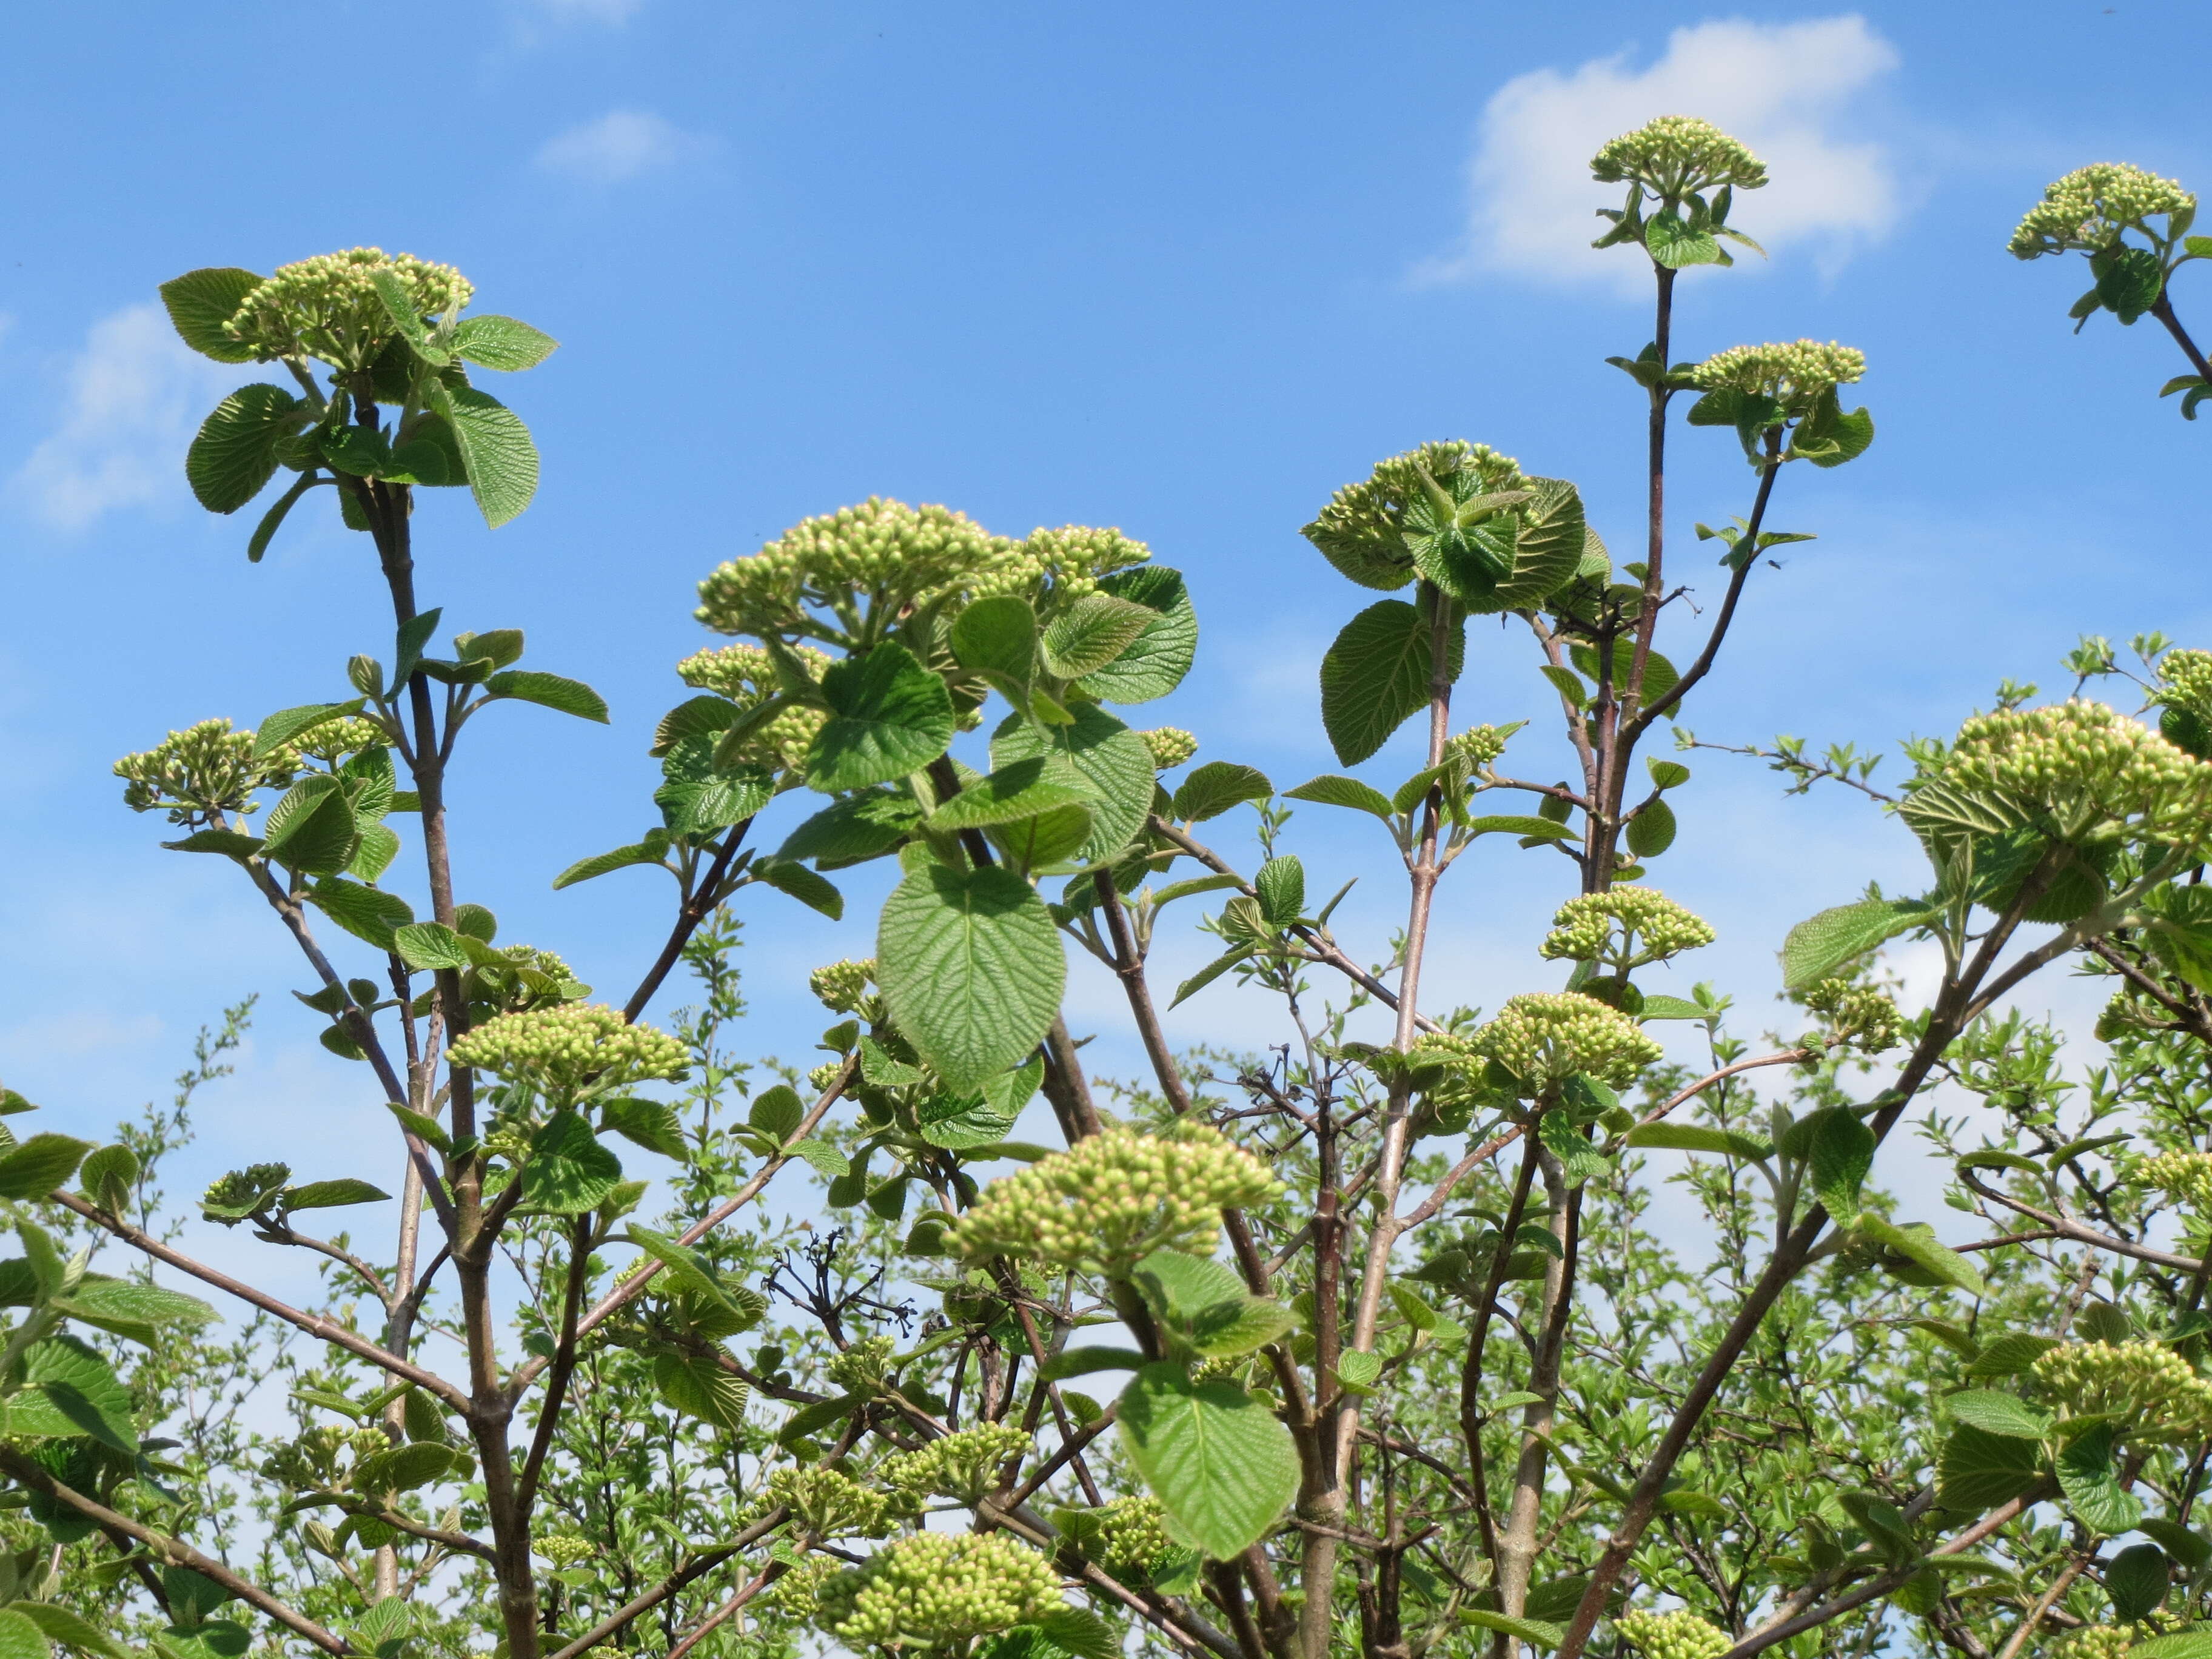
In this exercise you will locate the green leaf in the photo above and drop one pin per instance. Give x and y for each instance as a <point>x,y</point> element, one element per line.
<point>40,1165</point>
<point>1561,1136</point>
<point>826,1159</point>
<point>2137,1579</point>
<point>958,1123</point>
<point>1332,789</point>
<point>1099,758</point>
<point>72,1630</point>
<point>971,969</point>
<point>1537,1632</point>
<point>2009,1355</point>
<point>1091,633</point>
<point>2130,285</point>
<point>312,829</point>
<point>795,880</point>
<point>1377,674</point>
<point>1212,970</point>
<point>1819,944</point>
<point>1995,1412</point>
<point>1657,1006</point>
<point>109,1178</point>
<point>229,842</point>
<point>643,852</point>
<point>369,915</point>
<point>1008,795</point>
<point>864,826</point>
<point>1924,1252</point>
<point>1154,663</point>
<point>70,1391</point>
<point>1211,789</point>
<point>889,716</point>
<point>2192,1549</point>
<point>549,691</point>
<point>700,806</point>
<point>502,343</point>
<point>1840,1149</point>
<point>331,1194</point>
<point>776,1113</point>
<point>200,302</point>
<point>427,946</point>
<point>1651,830</point>
<point>1978,1470</point>
<point>235,453</point>
<point>129,1309</point>
<point>699,1388</point>
<point>997,635</point>
<point>1672,242</point>
<point>495,448</point>
<point>651,1124</point>
<point>568,1171</point>
<point>1550,535</point>
<point>372,852</point>
<point>1281,885</point>
<point>2183,1645</point>
<point>1220,1464</point>
<point>1504,824</point>
<point>1690,1138</point>
<point>812,1419</point>
<point>1080,1633</point>
<point>686,1268</point>
<point>20,1638</point>
<point>273,519</point>
<point>1082,1362</point>
<point>2092,1485</point>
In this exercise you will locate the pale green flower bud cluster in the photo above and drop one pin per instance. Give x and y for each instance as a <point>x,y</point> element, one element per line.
<point>1071,558</point>
<point>2091,206</point>
<point>2145,1380</point>
<point>1858,1015</point>
<point>895,554</point>
<point>745,675</point>
<point>823,1075</point>
<point>964,1466</point>
<point>327,308</point>
<point>1373,511</point>
<point>1113,1198</point>
<point>828,1504</point>
<point>1794,373</point>
<point>2096,1641</point>
<point>1132,1532</point>
<point>1479,748</point>
<point>1673,1636</point>
<point>1545,1037</point>
<point>1585,927</point>
<point>564,1549</point>
<point>310,1461</point>
<point>1171,745</point>
<point>841,986</point>
<point>238,1187</point>
<point>2184,1176</point>
<point>2186,681</point>
<point>937,1589</point>
<point>1676,156</point>
<point>334,740</point>
<point>2084,763</point>
<point>206,767</point>
<point>860,1370</point>
<point>561,1050</point>
<point>797,1593</point>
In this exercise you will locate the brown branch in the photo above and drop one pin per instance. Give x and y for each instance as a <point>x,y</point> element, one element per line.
<point>689,915</point>
<point>171,1550</point>
<point>629,1612</point>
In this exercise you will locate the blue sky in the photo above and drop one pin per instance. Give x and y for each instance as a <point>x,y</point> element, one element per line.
<point>1180,270</point>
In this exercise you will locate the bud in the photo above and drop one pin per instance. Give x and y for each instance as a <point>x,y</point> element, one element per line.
<point>2089,207</point>
<point>1647,925</point>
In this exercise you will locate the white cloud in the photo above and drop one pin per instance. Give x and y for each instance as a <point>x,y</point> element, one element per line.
<point>135,394</point>
<point>618,146</point>
<point>1786,89</point>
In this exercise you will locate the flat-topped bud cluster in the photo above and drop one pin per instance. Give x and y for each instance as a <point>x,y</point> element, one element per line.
<point>840,986</point>
<point>1676,156</point>
<point>564,1549</point>
<point>1858,1015</point>
<point>1794,373</point>
<point>1680,1635</point>
<point>829,1504</point>
<point>746,675</point>
<point>861,1368</point>
<point>1113,1199</point>
<point>937,1589</point>
<point>206,767</point>
<point>1372,513</point>
<point>564,1050</point>
<point>336,740</point>
<point>1132,1532</point>
<point>2089,207</point>
<point>1478,747</point>
<point>2184,1176</point>
<point>328,309</point>
<point>1545,1037</point>
<point>1171,745</point>
<point>2185,681</point>
<point>1584,928</point>
<point>2084,762</point>
<point>964,1466</point>
<point>2146,1381</point>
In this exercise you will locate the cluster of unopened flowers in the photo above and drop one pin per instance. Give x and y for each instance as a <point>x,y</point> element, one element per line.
<point>2089,207</point>
<point>1545,1037</point>
<point>745,674</point>
<point>1681,1635</point>
<point>2185,1175</point>
<point>2084,763</point>
<point>1583,929</point>
<point>562,1051</point>
<point>964,1466</point>
<point>206,768</point>
<point>328,309</point>
<point>1859,1016</point>
<point>1796,373</point>
<point>2146,1381</point>
<point>1677,155</point>
<point>1372,510</point>
<point>934,1589</point>
<point>1113,1198</point>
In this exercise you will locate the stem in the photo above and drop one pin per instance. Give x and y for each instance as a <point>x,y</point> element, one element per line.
<point>689,916</point>
<point>2162,308</point>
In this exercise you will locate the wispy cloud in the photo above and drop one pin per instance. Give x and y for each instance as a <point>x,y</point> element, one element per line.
<point>620,145</point>
<point>134,396</point>
<point>1786,89</point>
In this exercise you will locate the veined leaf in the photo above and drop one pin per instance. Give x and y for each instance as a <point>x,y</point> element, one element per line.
<point>971,969</point>
<point>568,1171</point>
<point>1995,1412</point>
<point>495,448</point>
<point>889,716</point>
<point>1377,674</point>
<point>549,691</point>
<point>1220,1464</point>
<point>427,946</point>
<point>643,852</point>
<point>698,1388</point>
<point>1014,792</point>
<point>1091,633</point>
<point>1693,1138</point>
<point>1098,757</point>
<point>1154,663</point>
<point>40,1165</point>
<point>997,635</point>
<point>200,302</point>
<point>1819,944</point>
<point>1211,789</point>
<point>1334,790</point>
<point>502,343</point>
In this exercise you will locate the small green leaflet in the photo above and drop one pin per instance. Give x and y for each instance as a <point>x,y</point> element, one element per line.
<point>971,968</point>
<point>1220,1464</point>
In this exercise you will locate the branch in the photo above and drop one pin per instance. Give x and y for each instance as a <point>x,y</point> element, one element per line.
<point>714,1621</point>
<point>315,1325</point>
<point>171,1550</point>
<point>622,1617</point>
<point>629,1288</point>
<point>564,1363</point>
<point>689,914</point>
<point>2063,1227</point>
